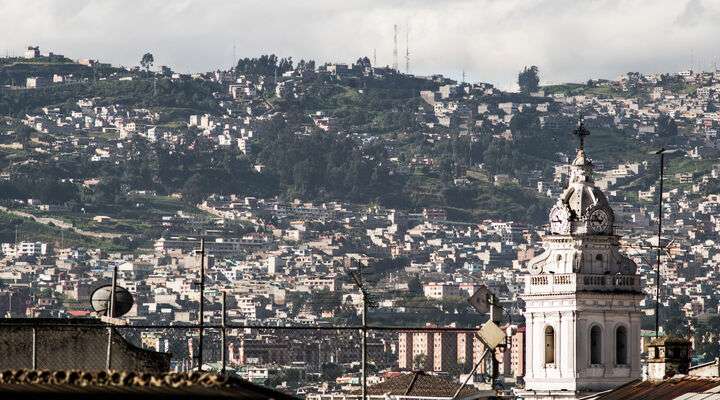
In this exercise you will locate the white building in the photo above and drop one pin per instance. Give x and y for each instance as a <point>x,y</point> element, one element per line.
<point>32,52</point>
<point>25,249</point>
<point>441,290</point>
<point>582,299</point>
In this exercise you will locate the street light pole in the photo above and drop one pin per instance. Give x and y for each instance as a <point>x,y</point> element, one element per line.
<point>223,353</point>
<point>202,306</point>
<point>111,314</point>
<point>661,153</point>
<point>657,269</point>
<point>363,331</point>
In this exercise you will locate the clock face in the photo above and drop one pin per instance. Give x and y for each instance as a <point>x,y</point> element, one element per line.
<point>599,220</point>
<point>560,219</point>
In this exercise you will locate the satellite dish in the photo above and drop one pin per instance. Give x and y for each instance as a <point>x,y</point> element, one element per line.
<point>100,300</point>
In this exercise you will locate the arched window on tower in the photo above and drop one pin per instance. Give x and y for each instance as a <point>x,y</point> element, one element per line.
<point>595,345</point>
<point>549,345</point>
<point>621,346</point>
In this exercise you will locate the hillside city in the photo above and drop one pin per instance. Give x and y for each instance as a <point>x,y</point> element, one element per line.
<point>423,187</point>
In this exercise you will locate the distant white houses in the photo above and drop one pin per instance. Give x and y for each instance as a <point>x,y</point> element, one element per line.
<point>32,52</point>
<point>36,82</point>
<point>25,249</point>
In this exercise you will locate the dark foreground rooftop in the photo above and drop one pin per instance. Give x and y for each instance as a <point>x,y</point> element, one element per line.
<point>76,384</point>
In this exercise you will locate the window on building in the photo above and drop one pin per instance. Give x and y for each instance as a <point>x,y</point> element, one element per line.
<point>595,345</point>
<point>549,345</point>
<point>621,345</point>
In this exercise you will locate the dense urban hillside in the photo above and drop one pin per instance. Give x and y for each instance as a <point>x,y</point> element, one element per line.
<point>356,133</point>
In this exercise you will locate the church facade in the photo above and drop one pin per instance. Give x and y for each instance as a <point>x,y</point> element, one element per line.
<point>582,296</point>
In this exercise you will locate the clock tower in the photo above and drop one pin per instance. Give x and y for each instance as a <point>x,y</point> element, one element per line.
<point>581,298</point>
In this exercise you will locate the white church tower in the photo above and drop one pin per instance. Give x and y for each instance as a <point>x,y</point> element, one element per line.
<point>581,298</point>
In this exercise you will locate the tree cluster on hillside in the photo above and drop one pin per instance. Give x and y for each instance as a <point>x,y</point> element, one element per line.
<point>321,166</point>
<point>192,94</point>
<point>147,61</point>
<point>266,64</point>
<point>529,80</point>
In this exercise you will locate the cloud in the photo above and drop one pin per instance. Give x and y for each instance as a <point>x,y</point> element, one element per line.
<point>692,14</point>
<point>489,39</point>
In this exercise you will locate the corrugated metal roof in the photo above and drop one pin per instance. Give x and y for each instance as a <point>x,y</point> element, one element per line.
<point>673,388</point>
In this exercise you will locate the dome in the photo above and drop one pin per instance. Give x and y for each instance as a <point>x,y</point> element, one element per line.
<point>581,223</point>
<point>582,207</point>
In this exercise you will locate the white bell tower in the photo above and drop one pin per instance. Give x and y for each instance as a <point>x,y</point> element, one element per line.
<point>581,298</point>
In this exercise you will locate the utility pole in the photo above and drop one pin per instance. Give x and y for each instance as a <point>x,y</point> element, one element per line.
<point>470,375</point>
<point>34,348</point>
<point>657,270</point>
<point>202,306</point>
<point>110,313</point>
<point>223,352</point>
<point>363,329</point>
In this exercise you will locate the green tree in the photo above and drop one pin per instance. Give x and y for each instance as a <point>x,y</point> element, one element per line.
<point>415,286</point>
<point>23,134</point>
<point>667,126</point>
<point>108,190</point>
<point>458,368</point>
<point>330,371</point>
<point>528,80</point>
<point>147,61</point>
<point>420,361</point>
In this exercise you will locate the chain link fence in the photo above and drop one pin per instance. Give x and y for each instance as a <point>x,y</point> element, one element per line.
<point>302,360</point>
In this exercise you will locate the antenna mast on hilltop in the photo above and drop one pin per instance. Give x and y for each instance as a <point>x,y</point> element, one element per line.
<point>395,48</point>
<point>234,60</point>
<point>374,63</point>
<point>407,49</point>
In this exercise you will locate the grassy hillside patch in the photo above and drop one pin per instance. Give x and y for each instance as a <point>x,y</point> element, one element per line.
<point>29,230</point>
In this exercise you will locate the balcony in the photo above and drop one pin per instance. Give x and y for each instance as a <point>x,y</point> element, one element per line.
<point>568,283</point>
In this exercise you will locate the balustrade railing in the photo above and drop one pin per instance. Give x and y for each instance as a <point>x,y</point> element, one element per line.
<point>562,283</point>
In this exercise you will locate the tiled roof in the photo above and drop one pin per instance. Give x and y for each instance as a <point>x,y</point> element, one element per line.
<point>663,340</point>
<point>420,384</point>
<point>102,384</point>
<point>672,388</point>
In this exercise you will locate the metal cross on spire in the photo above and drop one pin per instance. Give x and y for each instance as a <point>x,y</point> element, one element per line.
<point>581,132</point>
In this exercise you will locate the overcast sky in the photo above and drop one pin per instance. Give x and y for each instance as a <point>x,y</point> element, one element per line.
<point>569,40</point>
